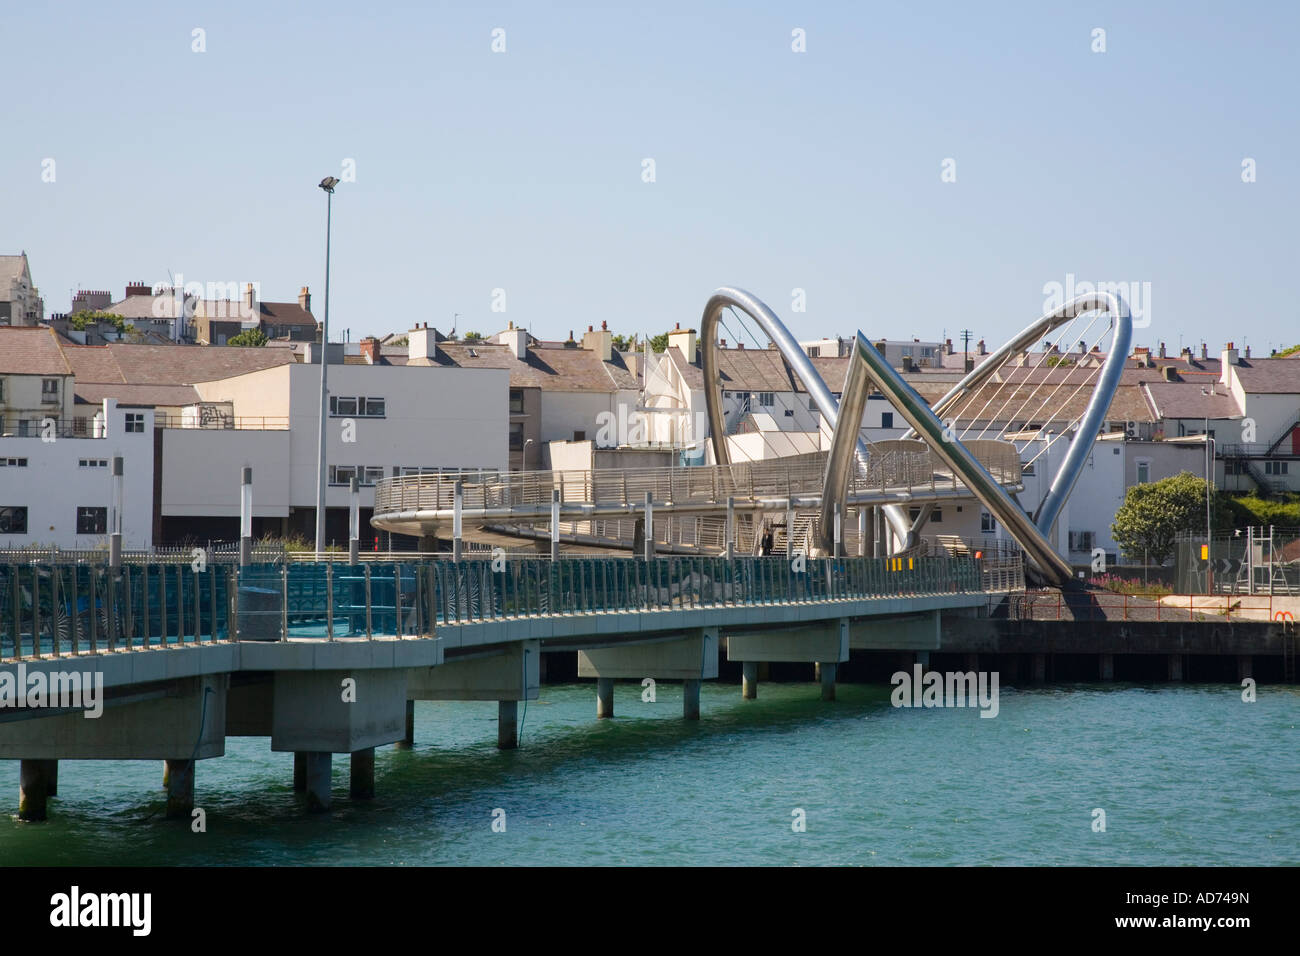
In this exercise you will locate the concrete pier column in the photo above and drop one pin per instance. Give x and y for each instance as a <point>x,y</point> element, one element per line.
<point>691,699</point>
<point>361,783</point>
<point>33,788</point>
<point>828,669</point>
<point>1107,666</point>
<point>922,658</point>
<point>749,680</point>
<point>1040,668</point>
<point>1245,666</point>
<point>817,671</point>
<point>407,742</point>
<point>52,787</point>
<point>604,697</point>
<point>1176,667</point>
<point>167,775</point>
<point>318,766</point>
<point>972,662</point>
<point>180,789</point>
<point>299,772</point>
<point>507,724</point>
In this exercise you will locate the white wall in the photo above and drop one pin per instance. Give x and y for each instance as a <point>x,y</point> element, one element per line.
<point>53,484</point>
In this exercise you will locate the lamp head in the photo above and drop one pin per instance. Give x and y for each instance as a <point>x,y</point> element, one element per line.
<point>328,184</point>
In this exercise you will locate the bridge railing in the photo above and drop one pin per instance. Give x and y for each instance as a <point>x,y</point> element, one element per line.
<point>771,478</point>
<point>57,610</point>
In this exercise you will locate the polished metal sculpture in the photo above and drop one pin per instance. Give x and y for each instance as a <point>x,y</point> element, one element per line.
<point>867,368</point>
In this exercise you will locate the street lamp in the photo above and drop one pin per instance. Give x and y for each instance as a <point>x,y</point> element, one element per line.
<point>327,184</point>
<point>1209,444</point>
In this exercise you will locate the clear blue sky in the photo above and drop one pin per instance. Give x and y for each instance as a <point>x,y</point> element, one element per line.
<point>774,169</point>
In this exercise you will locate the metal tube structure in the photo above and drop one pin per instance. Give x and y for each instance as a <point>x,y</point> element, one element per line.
<point>799,363</point>
<point>868,367</point>
<point>354,521</point>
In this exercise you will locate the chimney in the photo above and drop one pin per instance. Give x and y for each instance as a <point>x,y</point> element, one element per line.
<point>304,299</point>
<point>684,341</point>
<point>138,288</point>
<point>369,349</point>
<point>980,348</point>
<point>722,343</point>
<point>947,346</point>
<point>569,343</point>
<point>741,346</point>
<point>1205,351</point>
<point>1162,350</point>
<point>600,341</point>
<point>1186,354</point>
<point>907,363</point>
<point>1227,360</point>
<point>1170,373</point>
<point>249,300</point>
<point>517,340</point>
<point>1247,353</point>
<point>422,345</point>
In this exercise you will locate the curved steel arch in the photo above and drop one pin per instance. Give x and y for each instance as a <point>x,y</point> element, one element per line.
<point>799,362</point>
<point>867,367</point>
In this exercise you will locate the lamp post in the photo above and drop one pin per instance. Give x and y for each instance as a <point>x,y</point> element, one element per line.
<point>1209,541</point>
<point>327,184</point>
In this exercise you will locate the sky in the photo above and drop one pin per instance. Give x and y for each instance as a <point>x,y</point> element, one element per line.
<point>915,169</point>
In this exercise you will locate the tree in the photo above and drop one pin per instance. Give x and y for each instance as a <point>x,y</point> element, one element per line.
<point>473,336</point>
<point>1154,514</point>
<point>254,338</point>
<point>659,343</point>
<point>83,320</point>
<point>624,344</point>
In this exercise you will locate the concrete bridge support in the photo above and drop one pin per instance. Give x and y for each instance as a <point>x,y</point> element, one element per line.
<point>299,772</point>
<point>505,673</point>
<point>34,788</point>
<point>1245,666</point>
<point>361,781</point>
<point>1106,665</point>
<point>319,767</point>
<point>1040,668</point>
<point>689,657</point>
<point>180,789</point>
<point>824,645</point>
<point>408,741</point>
<point>507,724</point>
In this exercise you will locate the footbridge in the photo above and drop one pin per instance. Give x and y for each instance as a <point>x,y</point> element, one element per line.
<point>1021,399</point>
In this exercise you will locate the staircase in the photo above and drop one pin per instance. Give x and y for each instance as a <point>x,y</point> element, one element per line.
<point>805,524</point>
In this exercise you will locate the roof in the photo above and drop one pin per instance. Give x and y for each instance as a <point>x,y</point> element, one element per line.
<point>1269,376</point>
<point>136,395</point>
<point>121,363</point>
<point>157,307</point>
<point>1186,400</point>
<point>31,351</point>
<point>549,366</point>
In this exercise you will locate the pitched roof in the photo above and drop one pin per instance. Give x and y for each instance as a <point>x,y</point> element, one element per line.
<point>1185,400</point>
<point>11,269</point>
<point>549,366</point>
<point>31,351</point>
<point>167,364</point>
<point>147,396</point>
<point>1269,376</point>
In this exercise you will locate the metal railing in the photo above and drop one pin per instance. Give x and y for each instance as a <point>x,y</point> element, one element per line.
<point>792,476</point>
<point>219,421</point>
<point>57,610</point>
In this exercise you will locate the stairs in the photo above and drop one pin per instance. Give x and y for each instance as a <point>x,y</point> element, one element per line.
<point>805,523</point>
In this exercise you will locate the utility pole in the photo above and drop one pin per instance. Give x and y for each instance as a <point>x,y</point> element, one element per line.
<point>965,345</point>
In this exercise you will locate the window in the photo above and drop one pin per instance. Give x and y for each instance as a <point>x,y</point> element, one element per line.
<point>92,521</point>
<point>93,463</point>
<point>13,520</point>
<point>988,523</point>
<point>516,401</point>
<point>13,462</point>
<point>1027,468</point>
<point>1143,472</point>
<point>1275,468</point>
<point>345,405</point>
<point>814,351</point>
<point>375,407</point>
<point>371,474</point>
<point>49,390</point>
<point>766,399</point>
<point>812,404</point>
<point>789,413</point>
<point>516,436</point>
<point>936,516</point>
<point>1081,540</point>
<point>342,474</point>
<point>886,419</point>
<point>135,421</point>
<point>2,390</point>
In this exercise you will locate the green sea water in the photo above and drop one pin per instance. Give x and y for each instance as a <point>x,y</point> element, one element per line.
<point>1186,774</point>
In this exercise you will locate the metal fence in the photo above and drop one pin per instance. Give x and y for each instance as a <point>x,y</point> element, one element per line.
<point>54,610</point>
<point>1264,560</point>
